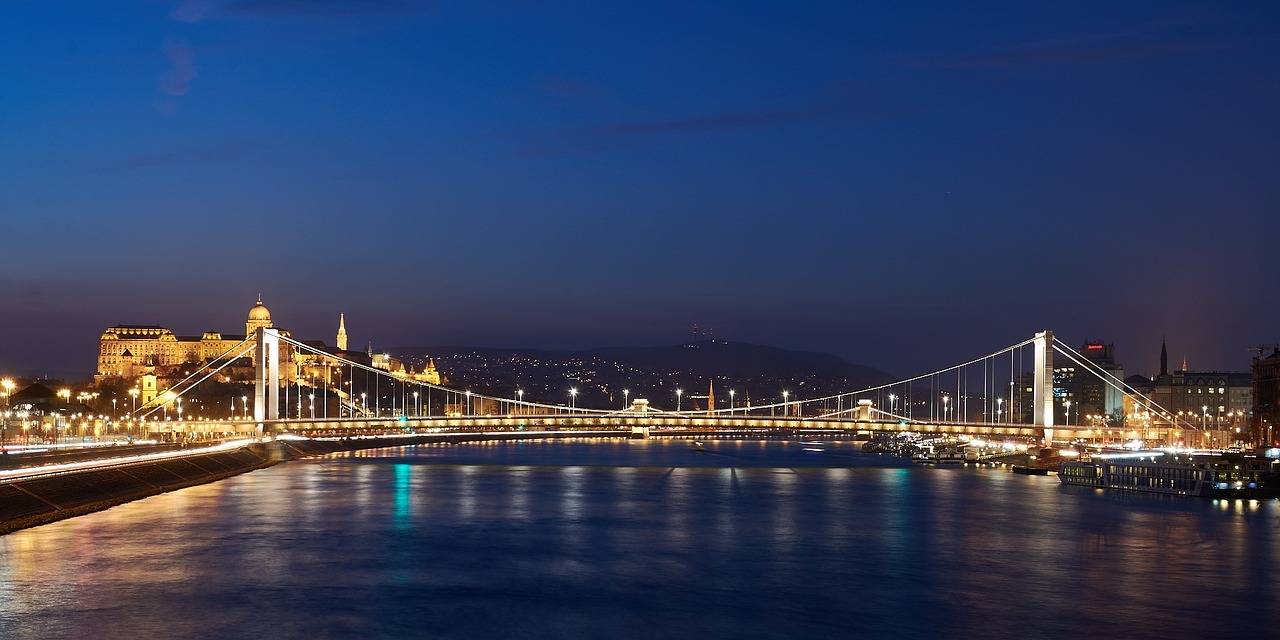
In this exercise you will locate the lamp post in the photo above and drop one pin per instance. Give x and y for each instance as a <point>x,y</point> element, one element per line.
<point>784,402</point>
<point>1067,403</point>
<point>626,398</point>
<point>417,406</point>
<point>999,409</point>
<point>521,394</point>
<point>468,402</point>
<point>679,392</point>
<point>1204,425</point>
<point>946,406</point>
<point>893,404</point>
<point>731,392</point>
<point>573,397</point>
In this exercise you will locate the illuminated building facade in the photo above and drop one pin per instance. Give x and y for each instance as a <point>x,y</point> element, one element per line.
<point>1266,398</point>
<point>129,351</point>
<point>1092,400</point>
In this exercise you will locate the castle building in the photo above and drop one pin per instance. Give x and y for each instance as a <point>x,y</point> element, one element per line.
<point>128,351</point>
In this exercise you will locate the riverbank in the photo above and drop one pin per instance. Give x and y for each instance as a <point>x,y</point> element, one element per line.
<point>40,500</point>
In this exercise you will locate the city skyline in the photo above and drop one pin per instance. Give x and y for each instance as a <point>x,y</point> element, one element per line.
<point>902,187</point>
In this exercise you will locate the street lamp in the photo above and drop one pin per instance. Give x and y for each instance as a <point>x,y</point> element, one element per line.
<point>784,402</point>
<point>946,405</point>
<point>999,408</point>
<point>244,404</point>
<point>417,407</point>
<point>1204,424</point>
<point>468,402</point>
<point>626,398</point>
<point>573,397</point>
<point>311,398</point>
<point>731,392</point>
<point>679,392</point>
<point>893,403</point>
<point>1068,405</point>
<point>521,394</point>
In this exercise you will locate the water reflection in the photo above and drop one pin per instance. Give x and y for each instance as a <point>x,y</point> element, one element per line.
<point>551,540</point>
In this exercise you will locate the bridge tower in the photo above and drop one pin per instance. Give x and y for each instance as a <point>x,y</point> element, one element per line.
<point>1042,391</point>
<point>266,391</point>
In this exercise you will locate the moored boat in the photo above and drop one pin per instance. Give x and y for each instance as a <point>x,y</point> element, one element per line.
<point>1181,475</point>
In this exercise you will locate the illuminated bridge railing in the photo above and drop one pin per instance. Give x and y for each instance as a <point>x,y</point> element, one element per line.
<point>658,423</point>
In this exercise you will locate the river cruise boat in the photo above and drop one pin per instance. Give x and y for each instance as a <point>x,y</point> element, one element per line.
<point>1180,475</point>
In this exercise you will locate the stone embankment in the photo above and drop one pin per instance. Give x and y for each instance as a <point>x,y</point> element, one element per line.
<point>29,502</point>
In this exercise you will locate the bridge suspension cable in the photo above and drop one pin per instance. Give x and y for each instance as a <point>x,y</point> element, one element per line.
<point>222,361</point>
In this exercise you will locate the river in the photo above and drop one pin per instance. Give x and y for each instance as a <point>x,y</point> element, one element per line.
<point>644,539</point>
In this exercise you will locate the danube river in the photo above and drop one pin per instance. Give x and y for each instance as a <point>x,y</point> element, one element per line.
<point>645,539</point>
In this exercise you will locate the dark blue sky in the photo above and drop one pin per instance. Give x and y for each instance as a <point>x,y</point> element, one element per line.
<point>905,186</point>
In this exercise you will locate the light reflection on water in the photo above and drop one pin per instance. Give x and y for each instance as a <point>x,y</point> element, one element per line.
<point>551,540</point>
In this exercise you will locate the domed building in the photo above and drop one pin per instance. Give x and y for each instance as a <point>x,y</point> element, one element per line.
<point>128,350</point>
<point>259,317</point>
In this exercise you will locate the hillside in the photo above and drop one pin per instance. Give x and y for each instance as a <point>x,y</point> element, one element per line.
<point>755,372</point>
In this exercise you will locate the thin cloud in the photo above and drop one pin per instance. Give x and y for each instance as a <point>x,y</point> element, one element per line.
<point>182,71</point>
<point>334,8</point>
<point>193,10</point>
<point>1086,49</point>
<point>841,102</point>
<point>180,156</point>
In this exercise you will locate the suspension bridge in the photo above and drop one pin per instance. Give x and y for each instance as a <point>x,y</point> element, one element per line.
<point>1008,393</point>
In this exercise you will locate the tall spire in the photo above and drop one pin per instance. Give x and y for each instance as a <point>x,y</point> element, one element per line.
<point>1164,359</point>
<point>342,331</point>
<point>1184,363</point>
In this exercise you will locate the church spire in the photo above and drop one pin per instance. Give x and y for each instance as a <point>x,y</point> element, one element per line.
<point>342,332</point>
<point>1164,359</point>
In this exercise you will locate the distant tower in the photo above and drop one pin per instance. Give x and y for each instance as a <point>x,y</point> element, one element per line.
<point>1184,363</point>
<point>342,332</point>
<point>1164,359</point>
<point>711,396</point>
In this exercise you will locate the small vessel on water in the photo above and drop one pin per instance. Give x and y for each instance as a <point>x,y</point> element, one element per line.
<point>697,446</point>
<point>944,453</point>
<point>1179,474</point>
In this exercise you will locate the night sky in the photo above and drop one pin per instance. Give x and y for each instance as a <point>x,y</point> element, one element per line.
<point>907,185</point>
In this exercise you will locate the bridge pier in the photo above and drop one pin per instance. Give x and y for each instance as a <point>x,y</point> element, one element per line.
<point>266,390</point>
<point>1042,388</point>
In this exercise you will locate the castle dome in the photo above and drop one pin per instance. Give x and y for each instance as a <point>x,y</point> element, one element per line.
<point>259,313</point>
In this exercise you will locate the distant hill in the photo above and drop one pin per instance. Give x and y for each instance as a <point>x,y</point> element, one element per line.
<point>754,371</point>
